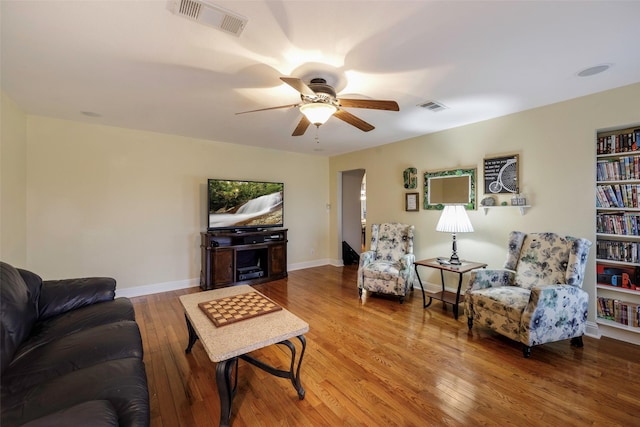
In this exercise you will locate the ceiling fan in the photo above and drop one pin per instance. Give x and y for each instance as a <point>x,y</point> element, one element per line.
<point>319,103</point>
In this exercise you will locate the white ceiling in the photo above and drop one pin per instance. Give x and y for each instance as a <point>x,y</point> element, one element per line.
<point>140,66</point>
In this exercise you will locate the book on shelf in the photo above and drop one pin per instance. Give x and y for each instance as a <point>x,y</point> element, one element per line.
<point>624,141</point>
<point>620,223</point>
<point>623,312</point>
<point>617,195</point>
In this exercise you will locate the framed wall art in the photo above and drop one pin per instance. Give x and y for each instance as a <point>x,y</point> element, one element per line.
<point>411,202</point>
<point>501,174</point>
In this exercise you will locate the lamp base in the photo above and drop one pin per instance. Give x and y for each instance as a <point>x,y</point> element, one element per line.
<point>454,260</point>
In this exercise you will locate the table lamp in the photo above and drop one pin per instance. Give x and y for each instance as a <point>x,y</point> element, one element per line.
<point>454,220</point>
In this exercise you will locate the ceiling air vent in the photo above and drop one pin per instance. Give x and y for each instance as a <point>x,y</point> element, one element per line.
<point>210,15</point>
<point>433,106</point>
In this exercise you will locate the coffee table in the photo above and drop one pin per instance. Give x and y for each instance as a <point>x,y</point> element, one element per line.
<point>225,344</point>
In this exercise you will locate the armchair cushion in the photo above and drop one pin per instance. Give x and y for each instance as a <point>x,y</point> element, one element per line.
<point>543,260</point>
<point>386,271</point>
<point>507,301</point>
<point>391,242</point>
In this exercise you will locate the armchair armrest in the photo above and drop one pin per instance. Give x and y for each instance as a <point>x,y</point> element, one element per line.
<point>406,262</point>
<point>482,279</point>
<point>366,257</point>
<point>60,296</point>
<point>554,313</point>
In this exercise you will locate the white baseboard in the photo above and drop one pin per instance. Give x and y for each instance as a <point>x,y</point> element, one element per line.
<point>308,264</point>
<point>157,288</point>
<point>592,330</point>
<point>191,283</point>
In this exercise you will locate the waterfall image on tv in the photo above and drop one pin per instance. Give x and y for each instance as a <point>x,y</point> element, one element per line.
<point>245,204</point>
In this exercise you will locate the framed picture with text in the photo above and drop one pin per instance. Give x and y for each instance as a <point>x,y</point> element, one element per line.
<point>411,202</point>
<point>501,175</point>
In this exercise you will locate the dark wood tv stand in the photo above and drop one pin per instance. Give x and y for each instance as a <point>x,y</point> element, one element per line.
<point>248,257</point>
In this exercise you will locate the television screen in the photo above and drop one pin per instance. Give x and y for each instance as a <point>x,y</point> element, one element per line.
<point>236,204</point>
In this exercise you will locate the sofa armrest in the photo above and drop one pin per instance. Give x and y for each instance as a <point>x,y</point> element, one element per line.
<point>554,313</point>
<point>60,296</point>
<point>482,279</point>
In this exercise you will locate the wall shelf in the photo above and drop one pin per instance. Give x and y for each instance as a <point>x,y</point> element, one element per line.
<point>617,325</point>
<point>523,208</point>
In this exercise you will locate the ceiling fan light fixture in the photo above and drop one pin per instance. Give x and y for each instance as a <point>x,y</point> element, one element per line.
<point>318,112</point>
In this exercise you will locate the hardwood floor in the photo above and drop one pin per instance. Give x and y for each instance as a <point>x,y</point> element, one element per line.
<point>379,363</point>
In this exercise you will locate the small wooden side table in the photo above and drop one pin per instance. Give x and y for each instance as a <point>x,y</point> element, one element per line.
<point>446,297</point>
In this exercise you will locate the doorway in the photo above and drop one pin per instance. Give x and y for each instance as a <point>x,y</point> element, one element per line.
<point>354,210</point>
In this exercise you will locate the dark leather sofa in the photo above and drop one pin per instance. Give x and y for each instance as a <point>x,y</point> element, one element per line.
<point>71,353</point>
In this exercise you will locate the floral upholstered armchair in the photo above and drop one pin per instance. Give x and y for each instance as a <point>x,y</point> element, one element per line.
<point>387,267</point>
<point>538,297</point>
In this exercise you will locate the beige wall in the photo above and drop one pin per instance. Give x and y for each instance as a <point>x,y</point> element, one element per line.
<point>557,174</point>
<point>13,187</point>
<point>85,199</point>
<point>131,204</point>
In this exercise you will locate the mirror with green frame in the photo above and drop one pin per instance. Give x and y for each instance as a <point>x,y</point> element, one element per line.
<point>450,187</point>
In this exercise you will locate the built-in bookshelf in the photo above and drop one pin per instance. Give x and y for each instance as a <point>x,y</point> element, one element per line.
<point>618,231</point>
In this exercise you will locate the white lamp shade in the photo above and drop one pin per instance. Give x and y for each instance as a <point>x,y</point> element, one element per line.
<point>317,112</point>
<point>454,219</point>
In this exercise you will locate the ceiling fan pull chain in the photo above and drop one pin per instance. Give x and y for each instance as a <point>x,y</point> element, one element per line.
<point>317,130</point>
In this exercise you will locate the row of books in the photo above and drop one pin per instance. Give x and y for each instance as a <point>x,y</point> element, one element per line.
<point>616,250</point>
<point>624,223</point>
<point>617,196</point>
<point>618,169</point>
<point>623,312</point>
<point>619,143</point>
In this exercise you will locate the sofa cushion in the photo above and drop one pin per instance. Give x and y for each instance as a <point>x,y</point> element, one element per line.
<point>508,301</point>
<point>122,382</point>
<point>18,313</point>
<point>34,285</point>
<point>96,413</point>
<point>60,296</point>
<point>74,321</point>
<point>71,352</point>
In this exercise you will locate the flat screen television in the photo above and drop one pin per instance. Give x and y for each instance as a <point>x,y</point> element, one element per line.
<point>244,205</point>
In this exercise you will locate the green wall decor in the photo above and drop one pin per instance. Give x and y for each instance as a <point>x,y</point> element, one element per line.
<point>410,176</point>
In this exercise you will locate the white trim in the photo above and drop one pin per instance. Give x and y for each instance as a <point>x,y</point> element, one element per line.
<point>308,264</point>
<point>157,288</point>
<point>191,283</point>
<point>592,330</point>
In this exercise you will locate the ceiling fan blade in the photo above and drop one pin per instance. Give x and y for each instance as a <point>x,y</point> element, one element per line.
<point>269,108</point>
<point>346,116</point>
<point>302,126</point>
<point>369,103</point>
<point>298,85</point>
